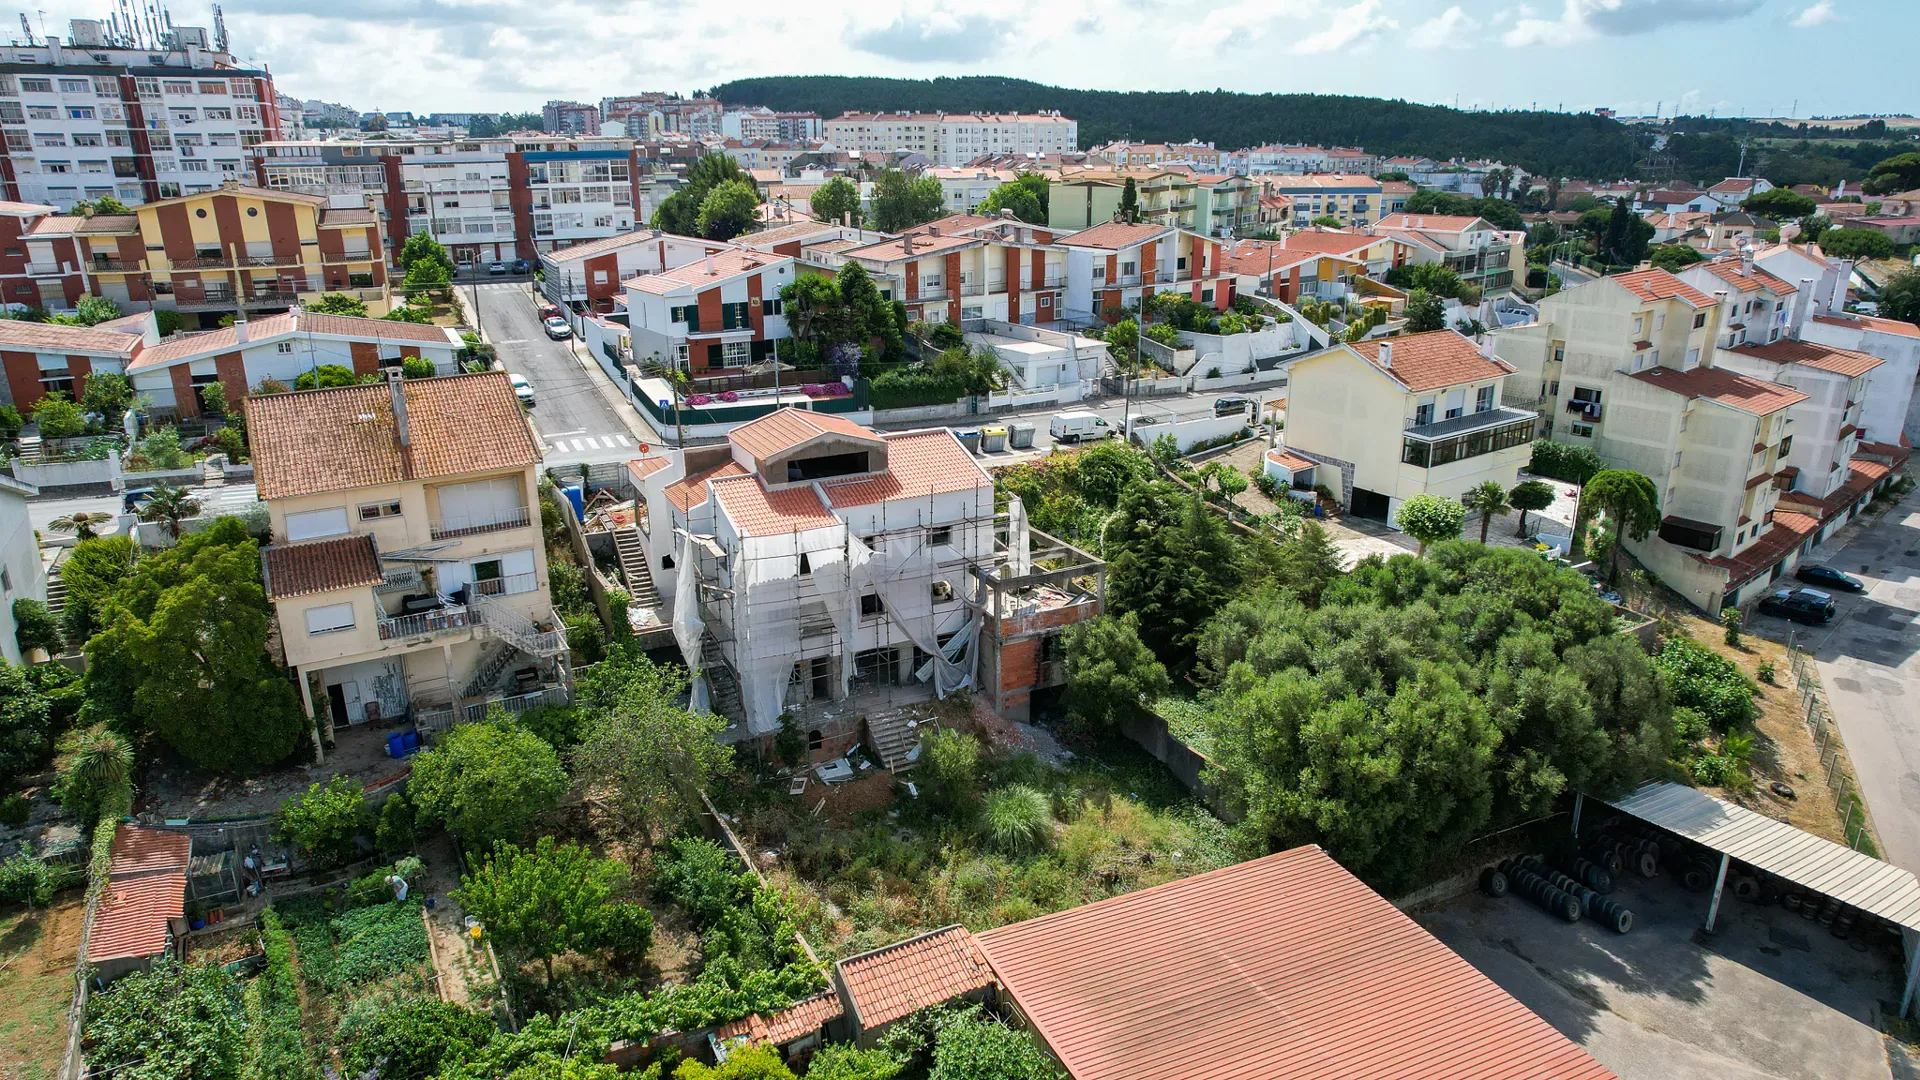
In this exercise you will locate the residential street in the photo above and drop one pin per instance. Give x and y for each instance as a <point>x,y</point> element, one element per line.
<point>576,410</point>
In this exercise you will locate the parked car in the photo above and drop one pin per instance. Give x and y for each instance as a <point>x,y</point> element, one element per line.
<point>132,500</point>
<point>522,389</point>
<point>497,269</point>
<point>1227,406</point>
<point>1073,427</point>
<point>1830,578</point>
<point>557,328</point>
<point>1810,606</point>
<point>521,266</point>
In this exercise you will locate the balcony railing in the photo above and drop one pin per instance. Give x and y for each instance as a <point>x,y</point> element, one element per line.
<point>446,620</point>
<point>224,262</point>
<point>117,266</point>
<point>1431,445</point>
<point>470,524</point>
<point>931,292</point>
<point>510,585</point>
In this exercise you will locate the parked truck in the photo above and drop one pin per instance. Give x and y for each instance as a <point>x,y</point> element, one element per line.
<point>1073,427</point>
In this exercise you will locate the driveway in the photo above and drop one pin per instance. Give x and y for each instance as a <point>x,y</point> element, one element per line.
<point>578,414</point>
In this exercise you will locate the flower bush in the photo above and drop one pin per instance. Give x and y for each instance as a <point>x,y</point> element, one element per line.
<point>699,399</point>
<point>729,395</point>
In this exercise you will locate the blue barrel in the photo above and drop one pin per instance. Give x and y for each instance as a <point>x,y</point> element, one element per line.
<point>576,499</point>
<point>410,740</point>
<point>397,744</point>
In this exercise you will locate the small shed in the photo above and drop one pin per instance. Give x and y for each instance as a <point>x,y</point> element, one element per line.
<point>146,890</point>
<point>1811,862</point>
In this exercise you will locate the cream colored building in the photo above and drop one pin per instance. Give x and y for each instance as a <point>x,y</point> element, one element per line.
<point>1389,419</point>
<point>406,566</point>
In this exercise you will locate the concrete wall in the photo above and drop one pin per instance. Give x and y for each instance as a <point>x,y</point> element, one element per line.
<point>1190,433</point>
<point>68,473</point>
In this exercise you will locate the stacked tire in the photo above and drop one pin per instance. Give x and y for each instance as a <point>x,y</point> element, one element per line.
<point>1556,892</point>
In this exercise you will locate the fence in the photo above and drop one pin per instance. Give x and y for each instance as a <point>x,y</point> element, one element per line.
<point>1854,823</point>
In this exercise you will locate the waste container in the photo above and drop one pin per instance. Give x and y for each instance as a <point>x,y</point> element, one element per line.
<point>993,440</point>
<point>576,499</point>
<point>969,438</point>
<point>1020,436</point>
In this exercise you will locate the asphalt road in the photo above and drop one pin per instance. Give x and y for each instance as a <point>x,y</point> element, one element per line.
<point>576,408</point>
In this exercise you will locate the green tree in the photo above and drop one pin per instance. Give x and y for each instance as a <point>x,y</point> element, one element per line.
<point>647,756</point>
<point>182,652</point>
<point>970,1045</point>
<point>950,760</point>
<point>1425,312</point>
<point>58,416</point>
<point>34,627</point>
<point>94,773</point>
<point>1308,562</point>
<point>1435,278</point>
<point>1730,620</point>
<point>900,202</point>
<point>1779,204</point>
<point>416,367</point>
<point>1627,235</point>
<point>1851,244</point>
<point>1431,519</point>
<point>845,1061</point>
<point>81,523</point>
<point>1530,495</point>
<point>335,303</point>
<point>93,569</point>
<point>1326,221</point>
<point>409,312</point>
<point>170,506</point>
<point>1027,195</point>
<point>1171,561</point>
<point>837,201</point>
<point>748,1063</point>
<point>167,321</point>
<point>1900,296</point>
<point>1675,256</point>
<point>487,781</point>
<point>1489,500</point>
<point>171,1022</point>
<point>423,248</point>
<point>94,310</point>
<point>680,212</point>
<point>1129,201</point>
<point>325,375</point>
<point>36,704</point>
<point>1898,173</point>
<point>408,1040</point>
<point>552,899</point>
<point>1574,464</point>
<point>1813,227</point>
<point>326,822</point>
<point>728,210</point>
<point>1632,506</point>
<point>1111,674</point>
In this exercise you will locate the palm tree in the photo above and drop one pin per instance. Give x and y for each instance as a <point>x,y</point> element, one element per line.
<point>81,523</point>
<point>95,770</point>
<point>171,505</point>
<point>1490,501</point>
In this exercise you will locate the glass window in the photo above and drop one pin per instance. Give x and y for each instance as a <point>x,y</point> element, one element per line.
<point>1483,399</point>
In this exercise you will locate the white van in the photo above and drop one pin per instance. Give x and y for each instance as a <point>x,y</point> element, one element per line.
<point>1073,427</point>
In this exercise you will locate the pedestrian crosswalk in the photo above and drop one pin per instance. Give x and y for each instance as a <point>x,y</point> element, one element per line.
<point>580,444</point>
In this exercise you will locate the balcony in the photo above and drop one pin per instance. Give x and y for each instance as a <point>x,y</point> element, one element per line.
<point>511,585</point>
<point>473,524</point>
<point>117,266</point>
<point>447,620</point>
<point>225,262</point>
<point>1124,280</point>
<point>1472,435</point>
<point>931,292</point>
<point>972,288</point>
<point>1591,411</point>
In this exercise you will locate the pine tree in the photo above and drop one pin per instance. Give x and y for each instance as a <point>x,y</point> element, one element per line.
<point>1129,202</point>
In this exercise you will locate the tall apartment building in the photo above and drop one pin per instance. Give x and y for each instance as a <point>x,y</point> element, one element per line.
<point>758,122</point>
<point>570,118</point>
<point>136,118</point>
<point>1288,160</point>
<point>485,199</point>
<point>651,115</point>
<point>950,139</point>
<point>1203,156</point>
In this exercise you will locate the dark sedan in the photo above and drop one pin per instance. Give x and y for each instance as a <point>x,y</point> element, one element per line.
<point>1810,606</point>
<point>1828,577</point>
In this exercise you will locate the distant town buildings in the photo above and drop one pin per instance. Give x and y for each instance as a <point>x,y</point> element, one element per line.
<point>570,117</point>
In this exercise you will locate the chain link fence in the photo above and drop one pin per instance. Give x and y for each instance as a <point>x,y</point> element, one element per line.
<point>1838,773</point>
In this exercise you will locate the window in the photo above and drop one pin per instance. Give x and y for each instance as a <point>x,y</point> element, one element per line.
<point>36,86</point>
<point>733,316</point>
<point>1700,320</point>
<point>329,619</point>
<point>311,524</point>
<point>1660,321</point>
<point>1456,403</point>
<point>940,535</point>
<point>1423,413</point>
<point>1483,399</point>
<point>1639,326</point>
<point>284,347</point>
<point>1584,431</point>
<point>736,353</point>
<point>871,605</point>
<point>772,306</point>
<point>376,511</point>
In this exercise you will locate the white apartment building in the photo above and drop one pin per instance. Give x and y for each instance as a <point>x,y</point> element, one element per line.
<point>759,123</point>
<point>138,119</point>
<point>950,139</point>
<point>1889,390</point>
<point>21,577</point>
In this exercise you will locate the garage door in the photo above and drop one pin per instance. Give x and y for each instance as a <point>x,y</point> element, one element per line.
<point>1369,504</point>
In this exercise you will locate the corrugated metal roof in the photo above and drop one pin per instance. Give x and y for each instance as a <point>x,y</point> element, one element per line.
<point>1285,966</point>
<point>1807,860</point>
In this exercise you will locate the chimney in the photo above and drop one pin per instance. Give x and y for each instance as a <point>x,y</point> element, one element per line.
<point>1802,307</point>
<point>906,243</point>
<point>1746,259</point>
<point>1006,214</point>
<point>240,327</point>
<point>1386,354</point>
<point>396,387</point>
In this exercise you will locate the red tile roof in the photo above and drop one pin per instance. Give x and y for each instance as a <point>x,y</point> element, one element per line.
<point>344,562</point>
<point>589,248</point>
<point>919,464</point>
<point>1729,388</point>
<point>1747,280</point>
<point>900,980</point>
<point>1869,322</point>
<point>53,337</point>
<point>955,225</point>
<point>346,217</point>
<point>896,250</point>
<point>346,437</point>
<point>799,230</point>
<point>1810,354</point>
<point>146,886</point>
<point>288,324</point>
<point>1290,460</point>
<point>641,468</point>
<point>1115,235</point>
<point>1285,966</point>
<point>1432,360</point>
<point>687,493</point>
<point>142,851</point>
<point>755,511</point>
<point>25,209</point>
<point>1660,285</point>
<point>708,271</point>
<point>802,1018</point>
<point>1787,530</point>
<point>785,428</point>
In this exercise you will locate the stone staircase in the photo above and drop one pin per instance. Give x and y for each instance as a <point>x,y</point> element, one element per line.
<point>633,568</point>
<point>56,592</point>
<point>892,739</point>
<point>722,688</point>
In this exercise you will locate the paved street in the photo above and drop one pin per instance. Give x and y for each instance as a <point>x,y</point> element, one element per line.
<point>577,410</point>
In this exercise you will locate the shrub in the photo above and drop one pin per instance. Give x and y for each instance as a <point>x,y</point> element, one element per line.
<point>15,810</point>
<point>396,831</point>
<point>58,416</point>
<point>1267,484</point>
<point>325,821</point>
<point>1704,680</point>
<point>162,449</point>
<point>326,375</point>
<point>951,761</point>
<point>26,880</point>
<point>172,1021</point>
<point>1017,819</point>
<point>34,627</point>
<point>95,772</point>
<point>410,1039</point>
<point>416,367</point>
<point>1559,461</point>
<point>1730,617</point>
<point>702,877</point>
<point>844,1061</point>
<point>167,320</point>
<point>1764,672</point>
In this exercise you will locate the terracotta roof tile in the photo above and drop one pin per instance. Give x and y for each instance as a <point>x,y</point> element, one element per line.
<point>1290,459</point>
<point>147,885</point>
<point>692,491</point>
<point>1729,388</point>
<point>895,250</point>
<point>345,562</point>
<point>141,851</point>
<point>53,337</point>
<point>724,266</point>
<point>1869,322</point>
<point>1730,271</point>
<point>346,217</point>
<point>755,511</point>
<point>1809,354</point>
<point>900,980</point>
<point>25,209</point>
<point>285,324</point>
<point>802,1018</point>
<point>799,230</point>
<point>955,225</point>
<point>60,225</point>
<point>1115,235</point>
<point>1432,360</point>
<point>110,225</point>
<point>641,468</point>
<point>1785,532</point>
<point>1660,285</point>
<point>919,463</point>
<point>784,428</point>
<point>1285,966</point>
<point>337,439</point>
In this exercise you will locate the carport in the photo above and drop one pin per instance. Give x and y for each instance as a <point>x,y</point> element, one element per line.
<point>1820,866</point>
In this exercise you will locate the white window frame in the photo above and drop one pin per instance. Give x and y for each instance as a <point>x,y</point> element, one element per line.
<point>326,619</point>
<point>315,524</point>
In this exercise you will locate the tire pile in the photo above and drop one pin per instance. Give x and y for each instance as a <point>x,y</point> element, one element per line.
<point>1578,887</point>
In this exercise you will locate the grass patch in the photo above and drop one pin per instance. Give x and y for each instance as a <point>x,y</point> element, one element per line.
<point>38,949</point>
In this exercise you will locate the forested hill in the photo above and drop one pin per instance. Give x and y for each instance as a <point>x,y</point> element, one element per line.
<point>1544,143</point>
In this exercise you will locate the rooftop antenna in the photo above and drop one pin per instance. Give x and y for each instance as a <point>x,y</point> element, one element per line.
<point>219,30</point>
<point>27,28</point>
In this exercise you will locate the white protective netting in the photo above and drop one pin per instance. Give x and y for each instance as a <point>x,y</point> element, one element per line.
<point>767,612</point>
<point>901,568</point>
<point>688,627</point>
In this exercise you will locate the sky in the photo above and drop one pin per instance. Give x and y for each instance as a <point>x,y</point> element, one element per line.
<point>1733,57</point>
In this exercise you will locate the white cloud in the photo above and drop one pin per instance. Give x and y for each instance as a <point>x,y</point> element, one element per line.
<point>1244,23</point>
<point>1584,20</point>
<point>1351,27</point>
<point>1818,15</point>
<point>1451,29</point>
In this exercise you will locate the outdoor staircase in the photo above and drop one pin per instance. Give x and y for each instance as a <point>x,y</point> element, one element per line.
<point>721,687</point>
<point>633,568</point>
<point>516,629</point>
<point>212,475</point>
<point>492,663</point>
<point>56,592</point>
<point>892,740</point>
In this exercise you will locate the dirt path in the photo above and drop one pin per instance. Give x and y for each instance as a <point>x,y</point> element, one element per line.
<point>466,978</point>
